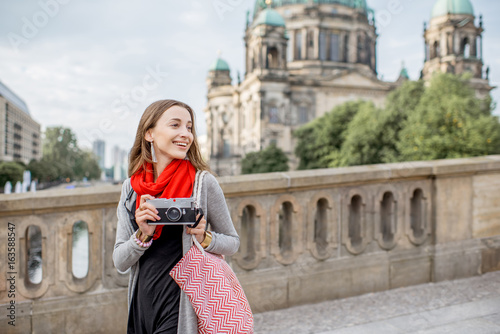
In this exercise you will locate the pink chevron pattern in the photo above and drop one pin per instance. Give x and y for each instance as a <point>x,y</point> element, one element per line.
<point>215,293</point>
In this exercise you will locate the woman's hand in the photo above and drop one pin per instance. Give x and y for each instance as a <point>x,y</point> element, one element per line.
<point>145,212</point>
<point>198,231</point>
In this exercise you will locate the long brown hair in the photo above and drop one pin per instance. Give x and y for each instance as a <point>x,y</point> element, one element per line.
<point>140,154</point>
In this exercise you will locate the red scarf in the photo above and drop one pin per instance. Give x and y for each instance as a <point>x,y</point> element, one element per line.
<point>176,181</point>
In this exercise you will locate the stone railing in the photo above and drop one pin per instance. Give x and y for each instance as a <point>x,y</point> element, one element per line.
<point>306,236</point>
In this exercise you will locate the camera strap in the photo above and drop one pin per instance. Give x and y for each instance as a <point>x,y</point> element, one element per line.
<point>198,182</point>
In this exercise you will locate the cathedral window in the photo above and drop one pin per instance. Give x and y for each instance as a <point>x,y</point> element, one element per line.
<point>334,47</point>
<point>273,115</point>
<point>303,117</point>
<point>346,48</point>
<point>226,149</point>
<point>298,46</point>
<point>436,50</point>
<point>322,45</point>
<point>272,58</point>
<point>466,48</point>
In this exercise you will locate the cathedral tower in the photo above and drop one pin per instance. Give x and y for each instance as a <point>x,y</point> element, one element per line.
<point>453,43</point>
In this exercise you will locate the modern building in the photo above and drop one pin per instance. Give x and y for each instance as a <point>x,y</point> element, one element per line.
<point>305,57</point>
<point>20,138</point>
<point>99,149</point>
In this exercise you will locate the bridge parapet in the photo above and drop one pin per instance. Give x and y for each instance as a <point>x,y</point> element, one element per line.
<point>306,236</point>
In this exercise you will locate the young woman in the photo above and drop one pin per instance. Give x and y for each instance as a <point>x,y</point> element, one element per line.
<point>163,164</point>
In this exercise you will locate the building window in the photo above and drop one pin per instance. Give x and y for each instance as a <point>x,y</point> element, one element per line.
<point>272,58</point>
<point>303,117</point>
<point>334,47</point>
<point>322,45</point>
<point>273,115</point>
<point>298,45</point>
<point>346,48</point>
<point>226,149</point>
<point>466,48</point>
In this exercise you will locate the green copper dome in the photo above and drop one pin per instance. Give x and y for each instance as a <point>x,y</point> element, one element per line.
<point>361,4</point>
<point>219,65</point>
<point>443,7</point>
<point>270,17</point>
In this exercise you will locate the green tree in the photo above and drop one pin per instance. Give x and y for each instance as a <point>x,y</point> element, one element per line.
<point>372,135</point>
<point>61,152</point>
<point>43,171</point>
<point>271,159</point>
<point>449,122</point>
<point>319,142</point>
<point>10,171</point>
<point>86,165</point>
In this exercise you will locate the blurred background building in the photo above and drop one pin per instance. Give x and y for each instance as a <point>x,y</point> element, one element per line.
<point>304,57</point>
<point>19,133</point>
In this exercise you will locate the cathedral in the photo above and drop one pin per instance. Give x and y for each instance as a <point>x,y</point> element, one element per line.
<point>304,57</point>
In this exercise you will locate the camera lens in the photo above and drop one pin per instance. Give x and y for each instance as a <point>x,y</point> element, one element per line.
<point>173,214</point>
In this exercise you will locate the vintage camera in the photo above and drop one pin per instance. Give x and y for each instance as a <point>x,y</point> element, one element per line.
<point>176,211</point>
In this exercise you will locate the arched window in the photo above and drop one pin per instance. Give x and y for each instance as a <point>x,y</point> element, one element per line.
<point>321,225</point>
<point>355,221</point>
<point>466,48</point>
<point>436,50</point>
<point>34,255</point>
<point>272,58</point>
<point>285,229</point>
<point>388,217</point>
<point>417,214</point>
<point>248,235</point>
<point>80,249</point>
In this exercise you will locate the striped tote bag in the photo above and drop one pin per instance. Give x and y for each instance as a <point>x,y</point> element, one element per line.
<point>214,291</point>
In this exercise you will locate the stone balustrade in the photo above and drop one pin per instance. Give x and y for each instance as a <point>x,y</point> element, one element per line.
<point>306,236</point>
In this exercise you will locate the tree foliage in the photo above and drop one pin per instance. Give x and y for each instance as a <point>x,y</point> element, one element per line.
<point>62,158</point>
<point>10,171</point>
<point>320,141</point>
<point>449,122</point>
<point>443,120</point>
<point>271,159</point>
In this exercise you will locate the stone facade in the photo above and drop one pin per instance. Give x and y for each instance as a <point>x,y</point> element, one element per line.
<point>324,56</point>
<point>306,237</point>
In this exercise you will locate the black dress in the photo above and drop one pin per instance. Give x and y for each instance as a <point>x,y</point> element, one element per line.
<point>155,304</point>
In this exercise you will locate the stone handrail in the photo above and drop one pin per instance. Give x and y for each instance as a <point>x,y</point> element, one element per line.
<point>306,236</point>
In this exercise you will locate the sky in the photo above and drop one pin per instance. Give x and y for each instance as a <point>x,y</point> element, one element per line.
<point>95,65</point>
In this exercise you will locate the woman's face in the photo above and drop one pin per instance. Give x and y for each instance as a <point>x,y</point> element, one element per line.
<point>172,136</point>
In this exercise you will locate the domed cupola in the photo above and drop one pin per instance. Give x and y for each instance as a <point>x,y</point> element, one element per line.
<point>356,4</point>
<point>219,73</point>
<point>454,7</point>
<point>266,44</point>
<point>269,17</point>
<point>219,65</point>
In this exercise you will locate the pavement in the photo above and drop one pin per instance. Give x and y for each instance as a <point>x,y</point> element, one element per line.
<point>468,306</point>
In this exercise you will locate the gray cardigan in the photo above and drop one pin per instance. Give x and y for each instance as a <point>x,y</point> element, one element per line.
<point>225,241</point>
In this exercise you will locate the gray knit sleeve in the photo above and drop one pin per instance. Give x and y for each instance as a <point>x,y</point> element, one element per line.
<point>225,240</point>
<point>126,252</point>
